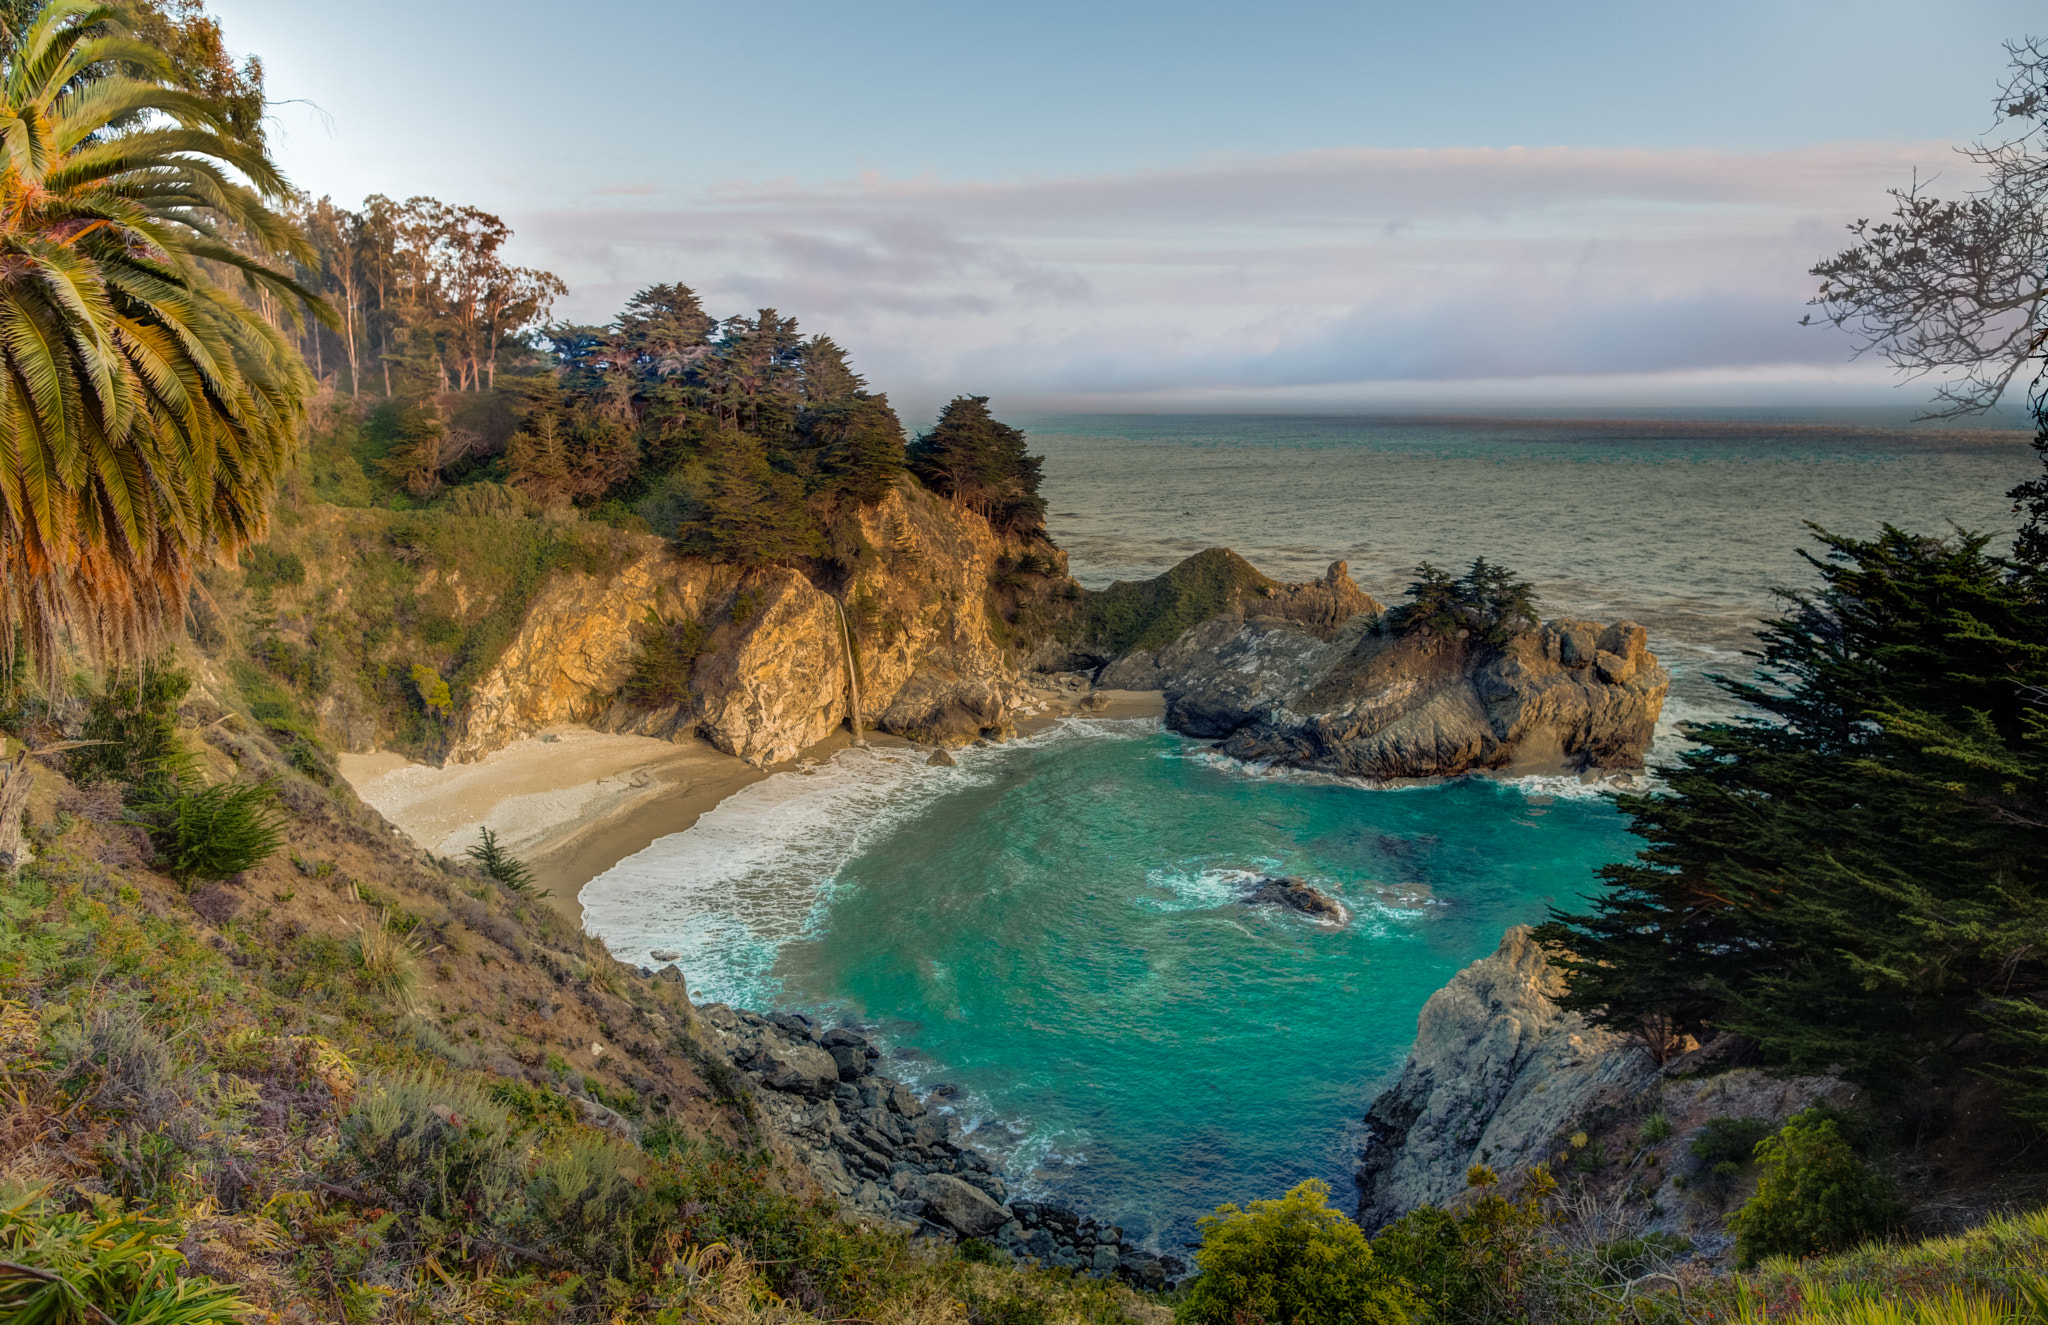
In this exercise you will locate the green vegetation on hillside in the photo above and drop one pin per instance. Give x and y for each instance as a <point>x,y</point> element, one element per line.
<point>1150,614</point>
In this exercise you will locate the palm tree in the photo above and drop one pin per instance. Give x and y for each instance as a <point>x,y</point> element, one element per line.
<point>147,409</point>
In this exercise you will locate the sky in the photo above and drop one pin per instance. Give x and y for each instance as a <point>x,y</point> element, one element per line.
<point>1290,206</point>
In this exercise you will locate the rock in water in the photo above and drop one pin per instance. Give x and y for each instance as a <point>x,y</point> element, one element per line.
<point>1296,896</point>
<point>666,955</point>
<point>940,759</point>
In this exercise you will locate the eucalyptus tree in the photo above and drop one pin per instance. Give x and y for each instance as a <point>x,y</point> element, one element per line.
<point>147,407</point>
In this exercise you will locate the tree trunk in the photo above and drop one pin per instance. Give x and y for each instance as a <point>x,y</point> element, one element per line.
<point>349,297</point>
<point>15,779</point>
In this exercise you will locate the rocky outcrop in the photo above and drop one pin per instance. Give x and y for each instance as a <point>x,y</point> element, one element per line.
<point>1294,895</point>
<point>774,680</point>
<point>1317,610</point>
<point>1497,1070</point>
<point>1355,699</point>
<point>885,1153</point>
<point>1501,1076</point>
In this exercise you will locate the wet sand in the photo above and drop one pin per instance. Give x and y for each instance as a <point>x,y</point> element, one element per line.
<point>572,802</point>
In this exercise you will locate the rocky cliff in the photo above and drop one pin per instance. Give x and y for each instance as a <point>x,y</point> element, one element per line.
<point>1309,675</point>
<point>1500,1076</point>
<point>776,676</point>
<point>885,1152</point>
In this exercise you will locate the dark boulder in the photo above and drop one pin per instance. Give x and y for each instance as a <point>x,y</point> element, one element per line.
<point>1296,896</point>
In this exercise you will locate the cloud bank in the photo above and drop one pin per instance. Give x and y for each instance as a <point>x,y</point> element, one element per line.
<point>1320,279</point>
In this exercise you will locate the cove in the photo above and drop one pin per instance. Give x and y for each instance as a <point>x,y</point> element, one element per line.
<point>1052,927</point>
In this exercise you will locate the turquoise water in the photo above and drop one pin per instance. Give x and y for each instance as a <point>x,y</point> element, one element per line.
<point>1051,924</point>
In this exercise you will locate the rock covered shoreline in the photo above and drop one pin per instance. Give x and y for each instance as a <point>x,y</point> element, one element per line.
<point>885,1153</point>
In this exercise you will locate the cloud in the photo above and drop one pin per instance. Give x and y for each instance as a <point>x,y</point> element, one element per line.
<point>1324,271</point>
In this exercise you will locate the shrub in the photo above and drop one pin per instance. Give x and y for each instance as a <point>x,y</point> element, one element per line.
<point>591,1202</point>
<point>668,654</point>
<point>1814,1196</point>
<point>1474,1263</point>
<point>214,832</point>
<point>388,960</point>
<point>502,865</point>
<point>1725,1145</point>
<point>433,690</point>
<point>1293,1261</point>
<point>440,1149</point>
<point>134,717</point>
<point>1655,1128</point>
<point>100,1266</point>
<point>266,567</point>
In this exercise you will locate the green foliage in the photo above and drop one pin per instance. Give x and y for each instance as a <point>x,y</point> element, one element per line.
<point>1487,599</point>
<point>264,567</point>
<point>667,657</point>
<point>1476,1262</point>
<point>1293,1261</point>
<point>1725,1146</point>
<point>752,513</point>
<point>1815,1195</point>
<point>134,716</point>
<point>983,464</point>
<point>207,833</point>
<point>270,703</point>
<point>1856,875</point>
<point>1655,1128</point>
<point>93,1266</point>
<point>441,1149</point>
<point>432,689</point>
<point>1149,614</point>
<point>502,865</point>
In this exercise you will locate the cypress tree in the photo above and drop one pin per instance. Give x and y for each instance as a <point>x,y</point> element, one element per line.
<point>982,463</point>
<point>1856,876</point>
<point>753,513</point>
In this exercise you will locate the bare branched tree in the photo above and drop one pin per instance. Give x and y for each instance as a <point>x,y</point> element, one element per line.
<point>1959,288</point>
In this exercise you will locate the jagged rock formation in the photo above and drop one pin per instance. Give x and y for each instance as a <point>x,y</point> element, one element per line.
<point>775,678</point>
<point>872,1143</point>
<point>1220,585</point>
<point>1307,675</point>
<point>1295,895</point>
<point>1501,1076</point>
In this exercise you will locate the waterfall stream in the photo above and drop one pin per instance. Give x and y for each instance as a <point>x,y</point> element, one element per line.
<point>852,672</point>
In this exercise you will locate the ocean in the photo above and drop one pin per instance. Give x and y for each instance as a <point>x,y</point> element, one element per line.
<point>1051,924</point>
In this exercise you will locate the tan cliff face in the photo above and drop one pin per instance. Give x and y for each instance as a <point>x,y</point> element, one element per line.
<point>775,680</point>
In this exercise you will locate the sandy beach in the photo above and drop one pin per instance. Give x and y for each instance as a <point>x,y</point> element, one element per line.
<point>572,802</point>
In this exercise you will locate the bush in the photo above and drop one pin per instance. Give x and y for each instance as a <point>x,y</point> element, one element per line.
<point>1815,1195</point>
<point>1726,1145</point>
<point>1293,1261</point>
<point>135,719</point>
<point>668,655</point>
<point>388,960</point>
<point>1477,1262</point>
<point>267,567</point>
<point>440,1149</point>
<point>99,1266</point>
<point>591,1202</point>
<point>502,865</point>
<point>214,832</point>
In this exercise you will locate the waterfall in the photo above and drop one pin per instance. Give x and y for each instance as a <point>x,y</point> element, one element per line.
<point>852,672</point>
